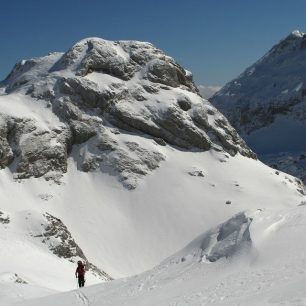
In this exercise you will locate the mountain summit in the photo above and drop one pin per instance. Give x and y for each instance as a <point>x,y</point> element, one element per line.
<point>97,89</point>
<point>267,103</point>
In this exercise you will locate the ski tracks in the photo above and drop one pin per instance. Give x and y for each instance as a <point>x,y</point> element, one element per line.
<point>82,298</point>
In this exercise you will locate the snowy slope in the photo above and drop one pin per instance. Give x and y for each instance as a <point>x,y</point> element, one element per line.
<point>126,232</point>
<point>266,104</point>
<point>109,155</point>
<point>261,260</point>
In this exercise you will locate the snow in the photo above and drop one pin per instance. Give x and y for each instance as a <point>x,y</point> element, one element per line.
<point>299,86</point>
<point>103,79</point>
<point>261,83</point>
<point>240,206</point>
<point>268,109</point>
<point>127,232</point>
<point>207,91</point>
<point>251,71</point>
<point>12,292</point>
<point>269,272</point>
<point>285,91</point>
<point>297,33</point>
<point>131,232</point>
<point>2,91</point>
<point>19,106</point>
<point>32,69</point>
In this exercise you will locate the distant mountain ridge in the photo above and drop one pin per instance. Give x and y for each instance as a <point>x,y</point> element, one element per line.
<point>267,104</point>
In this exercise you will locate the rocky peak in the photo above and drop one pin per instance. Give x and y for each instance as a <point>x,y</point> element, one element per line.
<point>103,95</point>
<point>123,59</point>
<point>272,86</point>
<point>293,42</point>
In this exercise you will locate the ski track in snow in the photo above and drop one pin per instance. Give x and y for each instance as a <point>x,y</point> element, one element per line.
<point>82,298</point>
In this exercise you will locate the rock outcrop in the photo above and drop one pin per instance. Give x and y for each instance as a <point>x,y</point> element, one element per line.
<point>101,93</point>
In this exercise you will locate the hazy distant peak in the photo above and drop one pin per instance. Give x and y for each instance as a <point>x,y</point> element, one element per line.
<point>207,91</point>
<point>267,104</point>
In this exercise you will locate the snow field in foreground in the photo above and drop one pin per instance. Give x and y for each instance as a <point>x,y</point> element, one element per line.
<point>270,272</point>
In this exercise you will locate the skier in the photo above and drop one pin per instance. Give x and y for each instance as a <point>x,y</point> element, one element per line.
<point>80,273</point>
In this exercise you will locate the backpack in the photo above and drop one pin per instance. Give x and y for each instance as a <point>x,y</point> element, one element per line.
<point>81,270</point>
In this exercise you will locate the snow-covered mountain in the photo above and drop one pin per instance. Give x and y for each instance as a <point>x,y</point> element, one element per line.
<point>207,91</point>
<point>92,91</point>
<point>266,104</point>
<point>109,154</point>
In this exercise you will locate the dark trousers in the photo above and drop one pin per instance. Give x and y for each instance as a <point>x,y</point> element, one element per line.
<point>81,280</point>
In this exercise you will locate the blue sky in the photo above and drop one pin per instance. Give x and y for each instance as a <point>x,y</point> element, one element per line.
<point>215,39</point>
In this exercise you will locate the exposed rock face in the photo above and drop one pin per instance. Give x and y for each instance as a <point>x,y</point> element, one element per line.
<point>100,92</point>
<point>4,218</point>
<point>58,238</point>
<point>6,153</point>
<point>267,104</point>
<point>294,163</point>
<point>42,152</point>
<point>37,151</point>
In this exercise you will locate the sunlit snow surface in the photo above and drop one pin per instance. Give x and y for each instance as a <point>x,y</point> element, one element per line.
<point>127,232</point>
<point>269,272</point>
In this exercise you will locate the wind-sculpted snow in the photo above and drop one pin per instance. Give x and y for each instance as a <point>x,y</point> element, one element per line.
<point>227,239</point>
<point>233,235</point>
<point>98,86</point>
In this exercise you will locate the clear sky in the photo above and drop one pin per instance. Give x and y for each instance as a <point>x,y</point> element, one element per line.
<point>215,39</point>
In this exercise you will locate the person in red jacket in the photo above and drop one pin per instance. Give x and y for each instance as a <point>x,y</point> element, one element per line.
<point>80,273</point>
